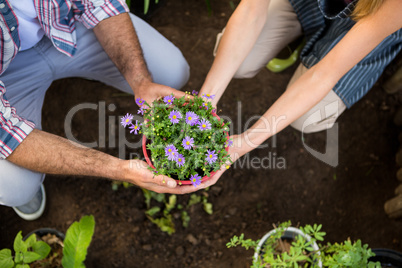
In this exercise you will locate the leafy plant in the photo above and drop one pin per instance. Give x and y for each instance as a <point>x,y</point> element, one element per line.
<point>187,139</point>
<point>146,4</point>
<point>161,214</point>
<point>26,252</point>
<point>76,242</point>
<point>301,253</point>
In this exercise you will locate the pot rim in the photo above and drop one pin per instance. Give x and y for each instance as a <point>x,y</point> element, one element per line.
<point>288,229</point>
<point>44,231</point>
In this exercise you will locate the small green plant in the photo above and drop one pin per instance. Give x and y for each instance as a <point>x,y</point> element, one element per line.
<point>26,252</point>
<point>146,4</point>
<point>76,242</point>
<point>278,252</point>
<point>161,214</point>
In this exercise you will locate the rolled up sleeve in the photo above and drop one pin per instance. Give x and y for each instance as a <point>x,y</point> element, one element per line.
<point>91,12</point>
<point>13,129</point>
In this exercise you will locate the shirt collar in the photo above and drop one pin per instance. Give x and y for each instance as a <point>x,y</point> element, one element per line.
<point>336,9</point>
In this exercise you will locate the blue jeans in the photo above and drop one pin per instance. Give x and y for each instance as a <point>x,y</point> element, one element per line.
<point>32,72</point>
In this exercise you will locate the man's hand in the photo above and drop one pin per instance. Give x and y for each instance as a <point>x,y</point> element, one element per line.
<point>150,91</point>
<point>139,174</point>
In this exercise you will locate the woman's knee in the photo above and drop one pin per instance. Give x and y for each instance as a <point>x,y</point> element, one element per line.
<point>245,72</point>
<point>17,185</point>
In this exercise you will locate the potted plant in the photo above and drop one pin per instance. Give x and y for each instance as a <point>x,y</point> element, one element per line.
<point>144,8</point>
<point>387,257</point>
<point>289,247</point>
<point>183,138</point>
<point>50,248</point>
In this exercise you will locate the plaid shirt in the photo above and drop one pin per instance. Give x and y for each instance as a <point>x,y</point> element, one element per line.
<point>57,18</point>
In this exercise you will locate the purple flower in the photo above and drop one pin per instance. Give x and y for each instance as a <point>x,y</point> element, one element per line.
<point>204,124</point>
<point>188,143</point>
<point>228,143</point>
<point>191,118</point>
<point>195,180</point>
<point>126,120</point>
<point>135,128</point>
<point>205,105</point>
<point>208,96</point>
<point>175,116</point>
<point>168,99</point>
<point>180,160</point>
<point>195,92</point>
<point>139,101</point>
<point>211,156</point>
<point>141,111</point>
<point>171,152</point>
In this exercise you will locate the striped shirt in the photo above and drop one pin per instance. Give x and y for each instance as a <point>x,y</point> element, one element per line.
<point>57,18</point>
<point>324,26</point>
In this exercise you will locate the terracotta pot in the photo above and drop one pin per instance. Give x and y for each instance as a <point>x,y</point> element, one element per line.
<point>180,182</point>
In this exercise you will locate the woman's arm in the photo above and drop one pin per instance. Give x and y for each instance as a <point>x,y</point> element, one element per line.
<point>242,31</point>
<point>316,83</point>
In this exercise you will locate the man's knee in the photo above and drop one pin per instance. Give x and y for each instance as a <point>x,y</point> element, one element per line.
<point>180,70</point>
<point>17,185</point>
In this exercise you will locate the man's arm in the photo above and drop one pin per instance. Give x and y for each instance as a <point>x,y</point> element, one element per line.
<point>118,38</point>
<point>47,153</point>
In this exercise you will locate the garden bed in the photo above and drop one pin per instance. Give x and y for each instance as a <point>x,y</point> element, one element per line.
<point>347,200</point>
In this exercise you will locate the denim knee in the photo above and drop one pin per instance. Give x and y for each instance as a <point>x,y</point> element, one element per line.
<point>17,185</point>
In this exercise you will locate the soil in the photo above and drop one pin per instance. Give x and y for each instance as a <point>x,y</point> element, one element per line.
<point>348,199</point>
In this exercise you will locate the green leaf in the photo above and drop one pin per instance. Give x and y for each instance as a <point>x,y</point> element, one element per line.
<point>194,199</point>
<point>19,245</point>
<point>22,266</point>
<point>6,259</point>
<point>30,241</point>
<point>172,202</point>
<point>76,243</point>
<point>152,211</point>
<point>208,208</point>
<point>185,218</point>
<point>41,248</point>
<point>158,197</point>
<point>165,224</point>
<point>30,256</point>
<point>146,6</point>
<point>18,257</point>
<point>147,195</point>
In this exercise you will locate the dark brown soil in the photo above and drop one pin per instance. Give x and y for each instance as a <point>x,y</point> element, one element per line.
<point>348,199</point>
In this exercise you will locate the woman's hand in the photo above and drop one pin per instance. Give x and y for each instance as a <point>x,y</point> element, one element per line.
<point>236,150</point>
